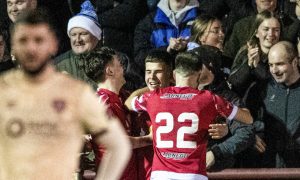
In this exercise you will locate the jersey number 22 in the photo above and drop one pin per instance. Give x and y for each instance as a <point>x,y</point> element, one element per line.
<point>181,143</point>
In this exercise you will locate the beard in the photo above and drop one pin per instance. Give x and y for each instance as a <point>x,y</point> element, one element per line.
<point>38,70</point>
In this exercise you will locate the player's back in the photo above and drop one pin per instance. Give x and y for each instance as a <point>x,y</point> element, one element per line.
<point>180,118</point>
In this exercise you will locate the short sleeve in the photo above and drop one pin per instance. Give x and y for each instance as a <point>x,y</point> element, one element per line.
<point>139,103</point>
<point>225,108</point>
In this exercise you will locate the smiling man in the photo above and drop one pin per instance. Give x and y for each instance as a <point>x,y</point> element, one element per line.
<point>282,106</point>
<point>283,64</point>
<point>158,69</point>
<point>279,100</point>
<point>85,33</point>
<point>16,7</point>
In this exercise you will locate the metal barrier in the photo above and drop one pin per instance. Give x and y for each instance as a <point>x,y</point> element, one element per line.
<point>244,174</point>
<point>259,173</point>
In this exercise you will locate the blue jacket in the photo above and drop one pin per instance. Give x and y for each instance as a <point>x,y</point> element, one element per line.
<point>155,30</point>
<point>164,29</point>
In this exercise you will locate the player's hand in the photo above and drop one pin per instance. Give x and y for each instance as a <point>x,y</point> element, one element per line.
<point>253,55</point>
<point>210,159</point>
<point>260,145</point>
<point>218,131</point>
<point>142,141</point>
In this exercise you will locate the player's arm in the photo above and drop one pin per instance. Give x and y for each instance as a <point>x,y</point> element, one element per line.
<point>141,141</point>
<point>231,111</point>
<point>117,151</point>
<point>133,95</point>
<point>243,115</point>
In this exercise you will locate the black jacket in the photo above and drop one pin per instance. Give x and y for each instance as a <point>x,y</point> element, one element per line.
<point>118,22</point>
<point>277,107</point>
<point>242,76</point>
<point>240,137</point>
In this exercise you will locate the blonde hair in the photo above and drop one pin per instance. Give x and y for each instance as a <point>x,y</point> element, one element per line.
<point>200,25</point>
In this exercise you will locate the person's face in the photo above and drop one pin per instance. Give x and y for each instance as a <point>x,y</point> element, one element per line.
<point>33,46</point>
<point>213,36</point>
<point>2,47</point>
<point>268,33</point>
<point>82,41</point>
<point>15,7</point>
<point>282,69</point>
<point>118,70</point>
<point>266,5</point>
<point>157,75</point>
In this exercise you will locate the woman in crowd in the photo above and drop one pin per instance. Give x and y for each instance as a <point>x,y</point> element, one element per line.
<point>207,30</point>
<point>251,63</point>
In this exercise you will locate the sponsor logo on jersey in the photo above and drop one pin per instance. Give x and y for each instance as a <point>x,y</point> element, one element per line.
<point>171,155</point>
<point>178,96</point>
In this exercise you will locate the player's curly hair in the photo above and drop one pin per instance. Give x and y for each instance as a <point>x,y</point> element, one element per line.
<point>96,61</point>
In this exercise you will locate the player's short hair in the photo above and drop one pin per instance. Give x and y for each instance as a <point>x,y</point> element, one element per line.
<point>160,56</point>
<point>34,17</point>
<point>96,62</point>
<point>187,63</point>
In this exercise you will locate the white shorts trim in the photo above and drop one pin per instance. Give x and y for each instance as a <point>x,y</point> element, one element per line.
<point>166,175</point>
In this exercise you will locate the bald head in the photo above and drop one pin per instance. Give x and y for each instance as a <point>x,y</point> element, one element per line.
<point>284,48</point>
<point>283,62</point>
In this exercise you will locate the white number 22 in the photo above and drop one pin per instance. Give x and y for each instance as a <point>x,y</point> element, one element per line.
<point>181,143</point>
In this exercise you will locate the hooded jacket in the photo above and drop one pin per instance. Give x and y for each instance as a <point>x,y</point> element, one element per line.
<point>156,29</point>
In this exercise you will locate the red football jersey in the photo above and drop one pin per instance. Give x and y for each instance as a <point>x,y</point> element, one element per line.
<point>117,109</point>
<point>180,117</point>
<point>144,155</point>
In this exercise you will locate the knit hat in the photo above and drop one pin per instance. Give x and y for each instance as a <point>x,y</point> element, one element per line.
<point>86,19</point>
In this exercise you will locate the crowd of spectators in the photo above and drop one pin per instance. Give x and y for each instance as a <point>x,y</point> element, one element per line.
<point>249,48</point>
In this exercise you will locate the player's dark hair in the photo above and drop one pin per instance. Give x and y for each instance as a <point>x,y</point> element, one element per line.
<point>186,63</point>
<point>160,56</point>
<point>96,62</point>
